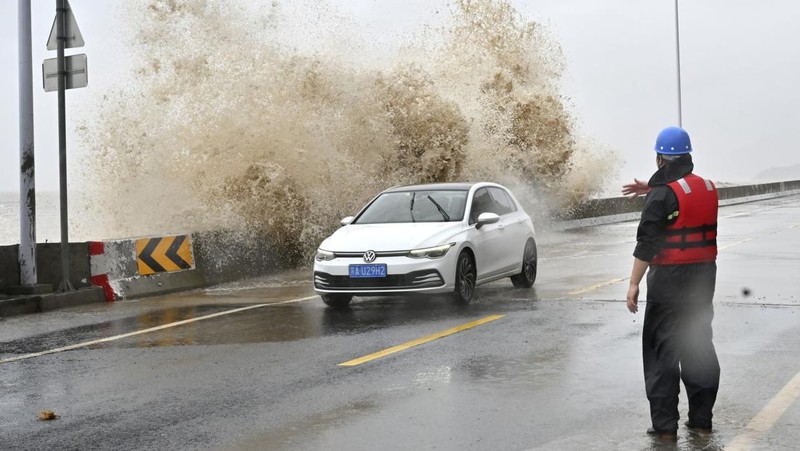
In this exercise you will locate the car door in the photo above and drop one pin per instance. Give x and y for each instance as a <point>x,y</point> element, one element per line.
<point>512,230</point>
<point>488,240</point>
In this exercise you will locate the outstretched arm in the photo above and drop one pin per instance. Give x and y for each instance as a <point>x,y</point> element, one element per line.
<point>637,188</point>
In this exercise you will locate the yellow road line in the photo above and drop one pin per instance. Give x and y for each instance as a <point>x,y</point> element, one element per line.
<point>151,329</point>
<point>767,418</point>
<point>599,285</point>
<point>420,341</point>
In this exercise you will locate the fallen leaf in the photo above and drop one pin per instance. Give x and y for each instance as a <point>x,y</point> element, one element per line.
<point>45,415</point>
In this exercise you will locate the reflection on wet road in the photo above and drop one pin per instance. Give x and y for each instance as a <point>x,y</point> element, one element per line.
<point>272,323</point>
<point>61,338</point>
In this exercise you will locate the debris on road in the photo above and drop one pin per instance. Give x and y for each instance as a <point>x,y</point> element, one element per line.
<point>46,415</point>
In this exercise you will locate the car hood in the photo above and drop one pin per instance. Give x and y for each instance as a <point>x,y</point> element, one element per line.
<point>390,237</point>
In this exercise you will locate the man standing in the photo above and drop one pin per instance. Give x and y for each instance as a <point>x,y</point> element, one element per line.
<point>676,239</point>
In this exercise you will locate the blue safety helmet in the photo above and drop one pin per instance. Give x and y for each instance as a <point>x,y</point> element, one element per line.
<point>673,141</point>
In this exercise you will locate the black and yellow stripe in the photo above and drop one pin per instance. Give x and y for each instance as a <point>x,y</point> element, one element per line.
<point>164,254</point>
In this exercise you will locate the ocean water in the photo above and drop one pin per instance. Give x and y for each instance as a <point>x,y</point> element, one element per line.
<point>48,219</point>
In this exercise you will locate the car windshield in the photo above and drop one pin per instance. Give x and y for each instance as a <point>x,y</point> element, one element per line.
<point>415,206</point>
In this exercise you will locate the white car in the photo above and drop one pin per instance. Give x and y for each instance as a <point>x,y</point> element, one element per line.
<point>435,238</point>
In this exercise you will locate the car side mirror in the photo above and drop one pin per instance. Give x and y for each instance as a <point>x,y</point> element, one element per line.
<point>346,220</point>
<point>486,218</point>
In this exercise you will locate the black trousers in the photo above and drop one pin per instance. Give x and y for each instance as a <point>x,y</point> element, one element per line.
<point>677,343</point>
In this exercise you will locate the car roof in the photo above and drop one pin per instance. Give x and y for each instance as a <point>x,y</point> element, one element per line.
<point>438,186</point>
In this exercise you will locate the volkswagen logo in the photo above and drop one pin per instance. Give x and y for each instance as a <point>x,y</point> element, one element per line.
<point>369,256</point>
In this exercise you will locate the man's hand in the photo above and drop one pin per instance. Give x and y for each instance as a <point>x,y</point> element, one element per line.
<point>633,298</point>
<point>638,271</point>
<point>637,188</point>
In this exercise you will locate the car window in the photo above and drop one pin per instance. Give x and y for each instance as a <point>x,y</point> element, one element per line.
<point>415,206</point>
<point>503,202</point>
<point>482,202</point>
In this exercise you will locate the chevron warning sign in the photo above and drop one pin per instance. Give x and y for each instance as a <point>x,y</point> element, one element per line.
<point>164,254</point>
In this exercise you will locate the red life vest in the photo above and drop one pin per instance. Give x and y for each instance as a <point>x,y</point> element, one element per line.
<point>692,238</point>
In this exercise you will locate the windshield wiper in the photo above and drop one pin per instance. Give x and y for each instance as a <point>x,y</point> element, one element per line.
<point>439,207</point>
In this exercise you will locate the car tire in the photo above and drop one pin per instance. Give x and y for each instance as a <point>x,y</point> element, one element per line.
<point>465,279</point>
<point>337,300</point>
<point>527,276</point>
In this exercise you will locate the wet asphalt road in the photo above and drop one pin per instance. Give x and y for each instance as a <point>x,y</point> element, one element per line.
<point>560,369</point>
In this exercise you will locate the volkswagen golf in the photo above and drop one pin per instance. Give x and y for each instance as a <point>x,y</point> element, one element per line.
<point>432,238</point>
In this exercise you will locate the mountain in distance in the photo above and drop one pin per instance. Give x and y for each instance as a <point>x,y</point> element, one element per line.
<point>780,174</point>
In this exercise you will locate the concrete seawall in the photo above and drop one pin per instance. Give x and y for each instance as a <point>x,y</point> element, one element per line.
<point>132,268</point>
<point>120,267</point>
<point>617,209</point>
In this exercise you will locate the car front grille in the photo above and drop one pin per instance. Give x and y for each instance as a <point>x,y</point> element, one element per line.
<point>417,279</point>
<point>378,254</point>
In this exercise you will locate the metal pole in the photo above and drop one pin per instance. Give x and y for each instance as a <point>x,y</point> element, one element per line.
<point>27,179</point>
<point>61,12</point>
<point>678,52</point>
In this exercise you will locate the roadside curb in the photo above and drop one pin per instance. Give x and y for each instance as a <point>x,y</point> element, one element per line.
<point>38,303</point>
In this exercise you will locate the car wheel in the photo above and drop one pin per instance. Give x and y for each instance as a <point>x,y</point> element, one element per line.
<point>527,276</point>
<point>465,279</point>
<point>337,300</point>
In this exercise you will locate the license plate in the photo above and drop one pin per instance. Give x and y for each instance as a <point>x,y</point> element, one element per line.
<point>368,271</point>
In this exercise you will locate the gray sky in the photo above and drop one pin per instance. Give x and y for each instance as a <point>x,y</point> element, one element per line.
<point>740,66</point>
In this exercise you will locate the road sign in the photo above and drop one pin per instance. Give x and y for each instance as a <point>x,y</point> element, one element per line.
<point>75,69</point>
<point>72,34</point>
<point>164,254</point>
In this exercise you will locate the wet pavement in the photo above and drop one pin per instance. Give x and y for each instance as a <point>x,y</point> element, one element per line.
<point>561,369</point>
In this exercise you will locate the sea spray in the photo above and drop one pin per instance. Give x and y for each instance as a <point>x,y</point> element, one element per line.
<point>235,121</point>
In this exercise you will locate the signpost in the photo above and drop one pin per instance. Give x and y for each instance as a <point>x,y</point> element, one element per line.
<point>27,182</point>
<point>71,36</point>
<point>678,59</point>
<point>75,72</point>
<point>69,73</point>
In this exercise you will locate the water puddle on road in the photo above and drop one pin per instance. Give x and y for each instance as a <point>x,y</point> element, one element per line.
<point>257,324</point>
<point>261,325</point>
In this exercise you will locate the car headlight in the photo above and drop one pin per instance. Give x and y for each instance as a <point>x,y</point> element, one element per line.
<point>431,252</point>
<point>324,256</point>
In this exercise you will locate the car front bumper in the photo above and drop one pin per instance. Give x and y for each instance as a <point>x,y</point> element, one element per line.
<point>403,275</point>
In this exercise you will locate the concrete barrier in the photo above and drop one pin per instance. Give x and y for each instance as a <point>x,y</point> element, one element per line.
<point>48,264</point>
<point>14,301</point>
<point>137,267</point>
<point>620,209</point>
<point>121,267</point>
<point>227,255</point>
<point>216,257</point>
